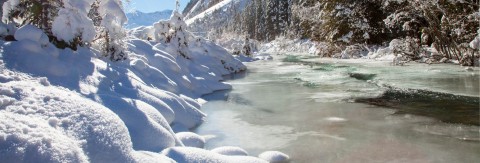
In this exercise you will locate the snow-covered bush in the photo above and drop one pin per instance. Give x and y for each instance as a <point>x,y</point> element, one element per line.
<point>172,33</point>
<point>407,47</point>
<point>109,17</point>
<point>73,23</point>
<point>446,25</point>
<point>284,45</point>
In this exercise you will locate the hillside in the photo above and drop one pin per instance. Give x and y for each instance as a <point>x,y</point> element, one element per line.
<point>195,7</point>
<point>138,18</point>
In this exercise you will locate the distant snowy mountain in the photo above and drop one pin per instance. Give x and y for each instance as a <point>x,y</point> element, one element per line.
<point>138,18</point>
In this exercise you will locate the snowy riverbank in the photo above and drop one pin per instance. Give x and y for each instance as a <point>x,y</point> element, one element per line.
<point>74,106</point>
<point>398,51</point>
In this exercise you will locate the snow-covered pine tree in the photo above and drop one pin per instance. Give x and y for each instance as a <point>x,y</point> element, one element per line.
<point>109,17</point>
<point>73,23</point>
<point>35,12</point>
<point>173,32</point>
<point>276,18</point>
<point>62,20</point>
<point>178,34</point>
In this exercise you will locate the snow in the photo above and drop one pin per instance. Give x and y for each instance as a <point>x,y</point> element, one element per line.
<point>30,32</point>
<point>30,140</point>
<point>190,139</point>
<point>230,151</point>
<point>60,105</point>
<point>71,23</point>
<point>284,45</point>
<point>9,6</point>
<point>475,44</point>
<point>274,156</point>
<point>70,124</point>
<point>194,155</point>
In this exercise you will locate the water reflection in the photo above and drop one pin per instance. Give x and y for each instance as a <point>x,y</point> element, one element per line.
<point>269,110</point>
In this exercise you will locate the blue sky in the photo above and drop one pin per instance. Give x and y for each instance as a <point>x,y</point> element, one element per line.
<point>154,5</point>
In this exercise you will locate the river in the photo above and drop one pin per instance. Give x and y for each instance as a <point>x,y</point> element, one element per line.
<point>328,110</point>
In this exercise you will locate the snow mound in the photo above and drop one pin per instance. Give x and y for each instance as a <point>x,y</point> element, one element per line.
<point>195,155</point>
<point>30,32</point>
<point>230,151</point>
<point>33,140</point>
<point>190,139</point>
<point>151,157</point>
<point>146,132</point>
<point>49,116</point>
<point>274,157</point>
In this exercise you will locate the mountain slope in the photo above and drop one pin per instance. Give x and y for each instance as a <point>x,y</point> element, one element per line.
<point>138,18</point>
<point>195,7</point>
<point>202,20</point>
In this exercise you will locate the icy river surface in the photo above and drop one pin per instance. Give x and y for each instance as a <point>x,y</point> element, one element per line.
<point>325,110</point>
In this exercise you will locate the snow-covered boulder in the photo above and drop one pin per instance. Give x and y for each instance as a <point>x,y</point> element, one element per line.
<point>230,151</point>
<point>190,139</point>
<point>195,155</point>
<point>274,157</point>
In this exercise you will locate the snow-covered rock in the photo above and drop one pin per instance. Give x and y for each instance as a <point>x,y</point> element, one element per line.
<point>195,155</point>
<point>274,157</point>
<point>190,139</point>
<point>230,151</point>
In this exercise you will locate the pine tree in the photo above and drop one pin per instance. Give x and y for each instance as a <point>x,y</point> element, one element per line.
<point>73,23</point>
<point>109,17</point>
<point>39,13</point>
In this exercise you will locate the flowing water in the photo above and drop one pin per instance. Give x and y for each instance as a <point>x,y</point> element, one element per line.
<point>325,110</point>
